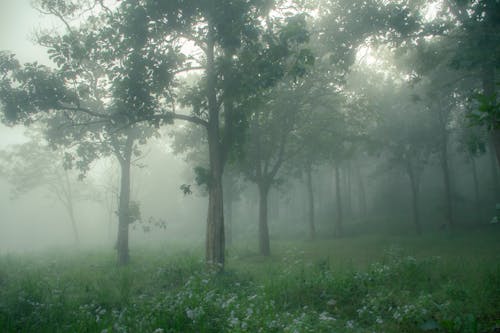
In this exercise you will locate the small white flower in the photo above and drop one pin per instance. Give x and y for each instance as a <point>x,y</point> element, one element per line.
<point>326,316</point>
<point>332,302</point>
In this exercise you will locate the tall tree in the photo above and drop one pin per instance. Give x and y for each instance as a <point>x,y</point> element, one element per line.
<point>268,146</point>
<point>240,56</point>
<point>89,99</point>
<point>470,34</point>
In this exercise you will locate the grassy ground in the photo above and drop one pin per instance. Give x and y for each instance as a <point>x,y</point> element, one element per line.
<point>439,283</point>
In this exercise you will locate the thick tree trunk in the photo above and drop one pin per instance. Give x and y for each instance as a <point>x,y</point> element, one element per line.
<point>215,242</point>
<point>310,192</point>
<point>338,221</point>
<point>476,189</point>
<point>414,184</point>
<point>264,246</point>
<point>123,212</point>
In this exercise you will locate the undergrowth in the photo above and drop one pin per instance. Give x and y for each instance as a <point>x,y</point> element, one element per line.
<point>289,292</point>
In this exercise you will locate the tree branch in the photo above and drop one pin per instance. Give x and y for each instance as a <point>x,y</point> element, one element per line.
<point>85,110</point>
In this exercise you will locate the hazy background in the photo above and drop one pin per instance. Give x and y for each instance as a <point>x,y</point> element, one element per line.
<point>36,220</point>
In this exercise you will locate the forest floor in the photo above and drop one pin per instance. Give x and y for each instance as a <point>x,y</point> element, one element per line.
<point>433,283</point>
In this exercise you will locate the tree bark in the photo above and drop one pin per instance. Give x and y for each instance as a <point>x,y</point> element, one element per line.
<point>494,168</point>
<point>445,167</point>
<point>310,192</point>
<point>348,177</point>
<point>361,191</point>
<point>414,184</point>
<point>70,208</point>
<point>124,204</point>
<point>495,137</point>
<point>338,221</point>
<point>215,242</point>
<point>264,246</point>
<point>488,80</point>
<point>228,217</point>
<point>476,189</point>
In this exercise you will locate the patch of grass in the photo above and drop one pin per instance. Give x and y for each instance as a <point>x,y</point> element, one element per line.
<point>363,284</point>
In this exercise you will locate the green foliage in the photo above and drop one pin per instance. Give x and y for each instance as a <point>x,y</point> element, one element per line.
<point>487,112</point>
<point>203,176</point>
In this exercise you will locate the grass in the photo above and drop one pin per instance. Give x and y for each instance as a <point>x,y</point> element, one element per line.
<point>436,283</point>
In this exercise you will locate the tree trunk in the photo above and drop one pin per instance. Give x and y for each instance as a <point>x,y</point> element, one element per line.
<point>215,242</point>
<point>488,78</point>
<point>72,218</point>
<point>414,198</point>
<point>494,168</point>
<point>310,192</point>
<point>348,177</point>
<point>476,189</point>
<point>70,208</point>
<point>338,221</point>
<point>228,217</point>
<point>361,191</point>
<point>123,210</point>
<point>447,186</point>
<point>495,137</point>
<point>264,246</point>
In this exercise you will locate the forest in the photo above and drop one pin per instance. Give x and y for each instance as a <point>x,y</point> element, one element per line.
<point>252,166</point>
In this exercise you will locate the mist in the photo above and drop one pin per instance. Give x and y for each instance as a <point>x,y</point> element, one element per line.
<point>241,165</point>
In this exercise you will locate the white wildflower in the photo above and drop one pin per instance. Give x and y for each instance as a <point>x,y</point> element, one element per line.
<point>326,316</point>
<point>332,302</point>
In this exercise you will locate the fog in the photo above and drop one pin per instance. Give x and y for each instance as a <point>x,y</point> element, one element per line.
<point>374,193</point>
<point>180,148</point>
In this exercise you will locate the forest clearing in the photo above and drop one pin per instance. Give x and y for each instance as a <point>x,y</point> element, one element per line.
<point>362,284</point>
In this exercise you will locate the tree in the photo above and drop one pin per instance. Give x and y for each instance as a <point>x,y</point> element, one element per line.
<point>404,134</point>
<point>239,59</point>
<point>34,165</point>
<point>89,99</point>
<point>272,124</point>
<point>469,31</point>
